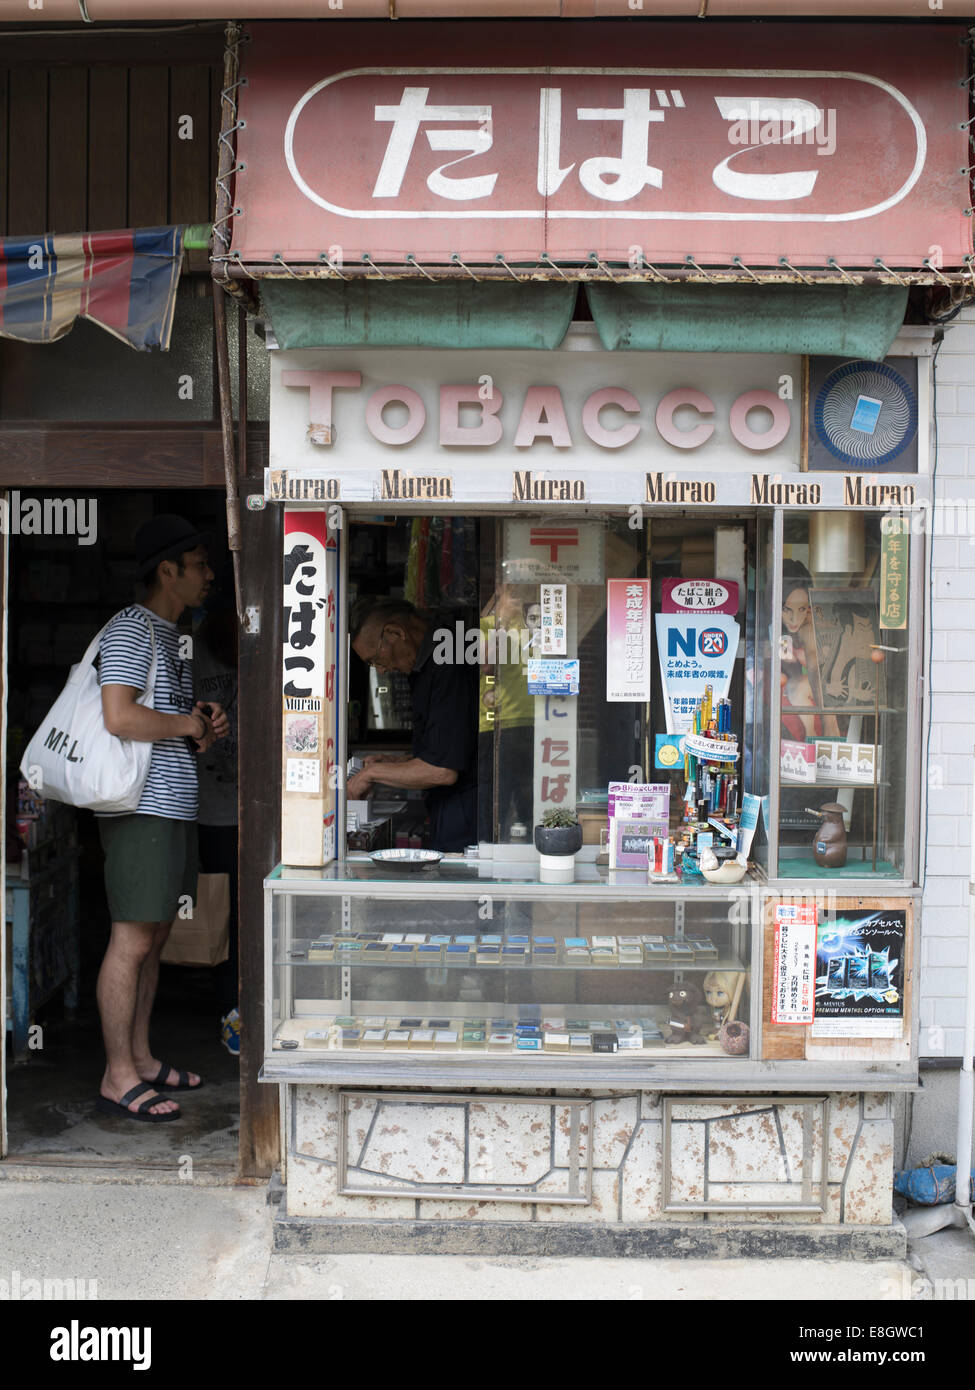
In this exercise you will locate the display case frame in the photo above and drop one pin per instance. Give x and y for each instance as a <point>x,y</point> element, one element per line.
<point>869,884</point>
<point>755,1072</point>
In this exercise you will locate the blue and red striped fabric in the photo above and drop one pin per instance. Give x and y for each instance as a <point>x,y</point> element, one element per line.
<point>125,281</point>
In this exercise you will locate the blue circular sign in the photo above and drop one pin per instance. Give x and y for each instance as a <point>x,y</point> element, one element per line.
<point>712,642</point>
<point>865,414</point>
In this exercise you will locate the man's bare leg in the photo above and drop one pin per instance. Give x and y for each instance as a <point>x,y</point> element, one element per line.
<point>147,1065</point>
<point>118,993</point>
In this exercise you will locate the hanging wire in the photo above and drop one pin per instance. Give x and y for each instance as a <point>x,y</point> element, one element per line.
<point>880,263</point>
<point>278,259</point>
<point>547,259</point>
<point>935,271</point>
<point>323,257</point>
<point>689,260</point>
<point>235,259</point>
<point>740,265</point>
<point>226,140</point>
<point>457,261</point>
<point>594,260</point>
<point>502,261</point>
<point>834,264</point>
<point>370,262</point>
<point>661,277</point>
<point>784,260</point>
<point>412,260</point>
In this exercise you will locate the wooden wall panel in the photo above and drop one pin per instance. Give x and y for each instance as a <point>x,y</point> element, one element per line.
<point>148,162</point>
<point>108,119</point>
<point>189,159</point>
<point>97,148</point>
<point>27,153</point>
<point>67,196</point>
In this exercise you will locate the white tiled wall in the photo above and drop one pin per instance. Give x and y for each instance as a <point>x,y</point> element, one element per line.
<point>951,701</point>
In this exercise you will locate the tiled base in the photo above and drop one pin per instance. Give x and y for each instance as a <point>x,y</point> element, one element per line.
<point>747,1151</point>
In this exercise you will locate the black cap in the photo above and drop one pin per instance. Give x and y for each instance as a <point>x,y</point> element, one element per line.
<point>165,537</point>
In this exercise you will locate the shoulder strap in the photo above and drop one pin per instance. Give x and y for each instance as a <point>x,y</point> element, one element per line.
<point>79,672</point>
<point>88,659</point>
<point>150,690</point>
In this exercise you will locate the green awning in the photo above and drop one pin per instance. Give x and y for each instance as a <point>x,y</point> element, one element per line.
<point>405,314</point>
<point>820,320</point>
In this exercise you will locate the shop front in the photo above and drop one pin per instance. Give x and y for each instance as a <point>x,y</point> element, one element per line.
<point>662,996</point>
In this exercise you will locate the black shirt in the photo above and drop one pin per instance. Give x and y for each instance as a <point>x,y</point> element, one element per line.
<point>444,697</point>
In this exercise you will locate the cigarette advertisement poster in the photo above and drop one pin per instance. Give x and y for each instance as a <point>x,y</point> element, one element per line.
<point>860,975</point>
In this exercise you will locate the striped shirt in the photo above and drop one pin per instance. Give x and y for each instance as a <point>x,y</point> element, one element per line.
<point>125,656</point>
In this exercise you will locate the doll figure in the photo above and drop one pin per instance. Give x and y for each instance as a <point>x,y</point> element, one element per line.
<point>721,992</point>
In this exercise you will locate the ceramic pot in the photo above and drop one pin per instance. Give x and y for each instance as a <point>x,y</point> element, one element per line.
<point>558,839</point>
<point>733,1038</point>
<point>829,843</point>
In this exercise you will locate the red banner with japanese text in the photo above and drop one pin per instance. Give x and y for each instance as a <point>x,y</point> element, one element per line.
<point>632,141</point>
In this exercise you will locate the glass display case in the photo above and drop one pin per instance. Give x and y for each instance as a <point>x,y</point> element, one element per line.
<point>473,959</point>
<point>844,656</point>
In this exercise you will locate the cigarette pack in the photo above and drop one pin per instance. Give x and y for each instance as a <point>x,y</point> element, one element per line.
<point>858,972</point>
<point>797,761</point>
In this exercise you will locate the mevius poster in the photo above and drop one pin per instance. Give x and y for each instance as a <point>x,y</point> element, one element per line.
<point>860,975</point>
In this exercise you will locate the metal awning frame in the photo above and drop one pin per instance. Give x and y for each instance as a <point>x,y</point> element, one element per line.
<point>229,266</point>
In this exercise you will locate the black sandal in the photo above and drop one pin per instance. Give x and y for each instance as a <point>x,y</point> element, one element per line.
<point>141,1112</point>
<point>182,1083</point>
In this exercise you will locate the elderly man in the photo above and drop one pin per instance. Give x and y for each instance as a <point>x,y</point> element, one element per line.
<point>392,635</point>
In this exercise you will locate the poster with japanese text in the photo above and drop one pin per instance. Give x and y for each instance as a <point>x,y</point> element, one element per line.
<point>628,667</point>
<point>860,975</point>
<point>793,970</point>
<point>308,689</point>
<point>694,650</point>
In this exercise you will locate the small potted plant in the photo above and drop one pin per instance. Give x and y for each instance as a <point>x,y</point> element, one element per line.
<point>558,839</point>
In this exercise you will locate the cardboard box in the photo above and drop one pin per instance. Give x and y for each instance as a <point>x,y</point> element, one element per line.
<point>592,822</point>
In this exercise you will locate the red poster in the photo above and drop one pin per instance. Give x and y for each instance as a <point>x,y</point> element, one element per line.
<point>636,141</point>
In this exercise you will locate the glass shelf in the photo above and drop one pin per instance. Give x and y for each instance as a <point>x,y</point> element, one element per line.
<point>528,966</point>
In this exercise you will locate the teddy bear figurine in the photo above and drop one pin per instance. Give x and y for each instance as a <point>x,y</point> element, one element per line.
<point>689,1018</point>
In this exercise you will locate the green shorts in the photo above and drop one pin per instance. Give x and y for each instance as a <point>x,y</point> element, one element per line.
<point>150,863</point>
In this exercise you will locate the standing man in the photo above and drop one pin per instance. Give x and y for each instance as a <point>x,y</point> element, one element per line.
<point>151,853</point>
<point>392,635</point>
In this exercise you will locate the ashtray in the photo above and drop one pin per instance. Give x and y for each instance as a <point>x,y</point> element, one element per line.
<point>406,858</point>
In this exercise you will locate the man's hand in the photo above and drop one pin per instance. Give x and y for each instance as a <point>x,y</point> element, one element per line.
<point>358,786</point>
<point>201,742</point>
<point>217,716</point>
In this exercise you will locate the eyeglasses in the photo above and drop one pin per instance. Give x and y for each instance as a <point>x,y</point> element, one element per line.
<point>374,659</point>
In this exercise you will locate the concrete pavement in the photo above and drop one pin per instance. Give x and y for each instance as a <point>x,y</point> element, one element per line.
<point>202,1239</point>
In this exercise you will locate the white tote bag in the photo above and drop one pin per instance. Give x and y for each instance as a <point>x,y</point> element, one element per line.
<point>73,758</point>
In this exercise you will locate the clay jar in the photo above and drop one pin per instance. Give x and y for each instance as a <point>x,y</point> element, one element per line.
<point>829,844</point>
<point>733,1038</point>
